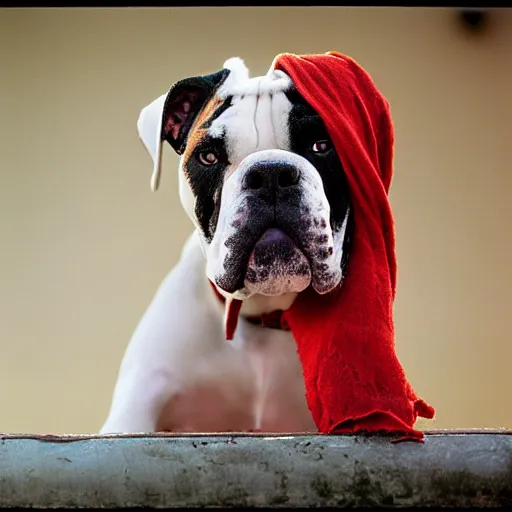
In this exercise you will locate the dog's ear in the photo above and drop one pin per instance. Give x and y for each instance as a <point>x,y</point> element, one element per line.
<point>171,116</point>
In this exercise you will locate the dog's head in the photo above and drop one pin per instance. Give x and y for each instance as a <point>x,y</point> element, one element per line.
<point>258,176</point>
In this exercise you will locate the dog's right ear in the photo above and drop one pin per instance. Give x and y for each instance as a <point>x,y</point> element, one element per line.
<point>171,116</point>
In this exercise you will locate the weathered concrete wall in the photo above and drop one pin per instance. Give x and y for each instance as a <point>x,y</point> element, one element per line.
<point>171,471</point>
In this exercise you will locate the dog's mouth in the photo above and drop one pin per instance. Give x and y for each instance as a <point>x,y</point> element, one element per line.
<point>276,265</point>
<point>275,251</point>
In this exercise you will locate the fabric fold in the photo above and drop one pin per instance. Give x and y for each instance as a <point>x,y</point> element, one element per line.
<point>345,340</point>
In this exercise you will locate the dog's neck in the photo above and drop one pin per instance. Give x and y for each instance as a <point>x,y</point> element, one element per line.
<point>263,316</point>
<point>261,304</point>
<point>258,305</point>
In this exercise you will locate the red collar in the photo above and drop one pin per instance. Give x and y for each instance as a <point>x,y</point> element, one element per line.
<point>272,320</point>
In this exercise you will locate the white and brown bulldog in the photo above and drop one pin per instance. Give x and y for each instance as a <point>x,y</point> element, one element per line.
<point>267,195</point>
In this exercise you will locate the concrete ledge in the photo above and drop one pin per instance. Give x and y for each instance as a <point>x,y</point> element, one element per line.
<point>449,469</point>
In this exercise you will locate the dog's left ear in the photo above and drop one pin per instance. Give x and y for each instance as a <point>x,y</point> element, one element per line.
<point>171,116</point>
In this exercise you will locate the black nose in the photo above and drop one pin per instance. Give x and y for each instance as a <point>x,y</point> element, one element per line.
<point>271,176</point>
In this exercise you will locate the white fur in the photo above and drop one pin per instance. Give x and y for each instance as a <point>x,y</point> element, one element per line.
<point>179,345</point>
<point>149,126</point>
<point>178,371</point>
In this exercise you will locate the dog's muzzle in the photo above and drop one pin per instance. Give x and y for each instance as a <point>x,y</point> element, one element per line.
<point>273,235</point>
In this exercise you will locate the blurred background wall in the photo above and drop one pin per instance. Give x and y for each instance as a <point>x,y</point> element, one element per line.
<point>84,243</point>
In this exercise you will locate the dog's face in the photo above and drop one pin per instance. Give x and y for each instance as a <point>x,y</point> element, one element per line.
<point>259,177</point>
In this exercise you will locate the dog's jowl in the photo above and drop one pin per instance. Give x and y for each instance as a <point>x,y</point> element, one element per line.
<point>265,190</point>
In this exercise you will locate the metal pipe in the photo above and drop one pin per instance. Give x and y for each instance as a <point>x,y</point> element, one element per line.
<point>456,468</point>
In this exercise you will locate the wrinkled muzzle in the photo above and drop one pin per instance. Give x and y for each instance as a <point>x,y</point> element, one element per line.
<point>273,234</point>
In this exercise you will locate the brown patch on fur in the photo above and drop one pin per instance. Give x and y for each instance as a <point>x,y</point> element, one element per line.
<point>196,133</point>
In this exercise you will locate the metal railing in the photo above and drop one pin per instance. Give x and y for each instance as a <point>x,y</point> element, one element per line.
<point>451,468</point>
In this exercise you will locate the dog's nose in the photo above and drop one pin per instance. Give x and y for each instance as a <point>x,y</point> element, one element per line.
<point>271,176</point>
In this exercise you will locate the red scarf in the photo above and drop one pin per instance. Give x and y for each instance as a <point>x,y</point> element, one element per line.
<point>345,340</point>
<point>354,380</point>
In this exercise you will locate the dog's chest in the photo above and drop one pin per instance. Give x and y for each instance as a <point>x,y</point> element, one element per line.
<point>252,383</point>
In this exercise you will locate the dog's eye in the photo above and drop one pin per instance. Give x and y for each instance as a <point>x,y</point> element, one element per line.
<point>321,146</point>
<point>207,157</point>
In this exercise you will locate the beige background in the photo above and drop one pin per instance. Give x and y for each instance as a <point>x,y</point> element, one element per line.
<point>84,243</point>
